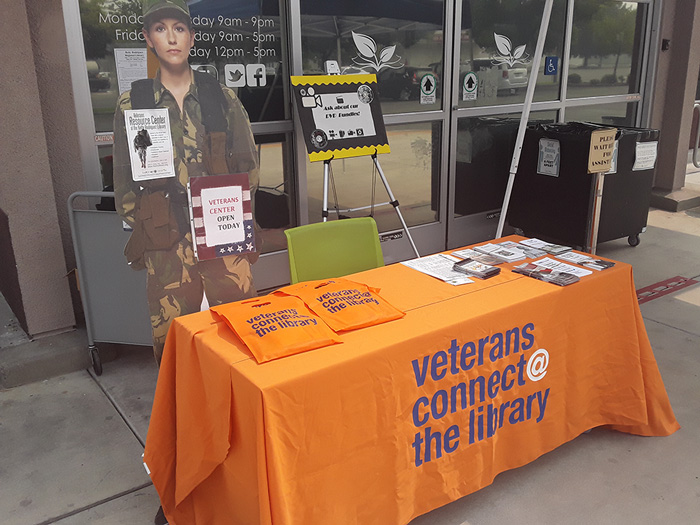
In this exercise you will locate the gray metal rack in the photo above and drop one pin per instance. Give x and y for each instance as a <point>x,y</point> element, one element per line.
<point>112,294</point>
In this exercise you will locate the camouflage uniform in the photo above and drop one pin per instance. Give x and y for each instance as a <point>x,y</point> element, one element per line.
<point>175,279</point>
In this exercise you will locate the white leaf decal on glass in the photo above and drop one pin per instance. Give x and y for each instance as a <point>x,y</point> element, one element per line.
<point>386,54</point>
<point>364,44</point>
<point>519,51</point>
<point>502,43</point>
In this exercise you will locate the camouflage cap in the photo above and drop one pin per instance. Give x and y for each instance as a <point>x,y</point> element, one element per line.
<point>153,7</point>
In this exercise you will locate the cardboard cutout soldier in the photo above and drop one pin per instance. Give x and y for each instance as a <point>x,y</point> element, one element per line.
<point>157,209</point>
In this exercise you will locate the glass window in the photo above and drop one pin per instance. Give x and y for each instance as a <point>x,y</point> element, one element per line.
<point>107,25</point>
<point>497,44</point>
<point>606,50</point>
<point>412,171</point>
<point>618,114</point>
<point>485,148</point>
<point>274,201</point>
<point>238,42</point>
<point>245,50</point>
<point>106,167</point>
<point>399,40</point>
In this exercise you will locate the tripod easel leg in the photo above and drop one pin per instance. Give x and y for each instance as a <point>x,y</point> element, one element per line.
<point>326,174</point>
<point>394,203</point>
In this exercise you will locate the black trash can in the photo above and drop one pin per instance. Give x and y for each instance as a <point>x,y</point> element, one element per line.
<point>553,194</point>
<point>483,163</point>
<point>627,188</point>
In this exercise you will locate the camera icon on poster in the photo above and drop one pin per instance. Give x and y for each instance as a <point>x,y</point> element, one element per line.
<point>309,98</point>
<point>360,132</point>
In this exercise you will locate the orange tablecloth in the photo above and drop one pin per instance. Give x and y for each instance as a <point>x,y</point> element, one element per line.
<point>403,417</point>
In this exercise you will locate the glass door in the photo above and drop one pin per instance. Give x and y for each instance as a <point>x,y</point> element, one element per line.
<point>243,44</point>
<point>592,69</point>
<point>452,77</point>
<point>402,42</point>
<point>492,66</point>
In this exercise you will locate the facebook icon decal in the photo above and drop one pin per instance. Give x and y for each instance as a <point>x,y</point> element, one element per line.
<point>255,75</point>
<point>239,75</point>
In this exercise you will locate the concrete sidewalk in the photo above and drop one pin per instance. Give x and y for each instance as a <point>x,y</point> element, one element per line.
<point>72,444</point>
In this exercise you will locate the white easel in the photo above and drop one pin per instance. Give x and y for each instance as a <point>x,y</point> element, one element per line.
<point>392,199</point>
<point>332,68</point>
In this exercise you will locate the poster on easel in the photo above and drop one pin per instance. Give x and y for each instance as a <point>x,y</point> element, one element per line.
<point>340,116</point>
<point>222,216</point>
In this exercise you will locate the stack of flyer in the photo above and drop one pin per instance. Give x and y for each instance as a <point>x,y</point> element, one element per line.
<point>528,251</point>
<point>484,258</point>
<point>505,254</point>
<point>546,274</point>
<point>552,271</point>
<point>476,269</point>
<point>552,249</point>
<point>586,261</point>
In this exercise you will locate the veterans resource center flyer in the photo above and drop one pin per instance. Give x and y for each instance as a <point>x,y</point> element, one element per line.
<point>150,143</point>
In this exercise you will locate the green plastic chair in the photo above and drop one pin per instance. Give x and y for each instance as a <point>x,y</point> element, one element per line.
<point>333,249</point>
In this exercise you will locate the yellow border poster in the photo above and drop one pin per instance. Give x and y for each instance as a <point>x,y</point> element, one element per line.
<point>340,115</point>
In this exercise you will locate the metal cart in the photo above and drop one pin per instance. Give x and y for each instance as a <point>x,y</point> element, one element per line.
<point>112,294</point>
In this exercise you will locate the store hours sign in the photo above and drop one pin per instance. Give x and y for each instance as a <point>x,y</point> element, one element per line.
<point>237,42</point>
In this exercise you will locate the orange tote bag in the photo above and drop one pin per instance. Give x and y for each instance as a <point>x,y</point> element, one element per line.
<point>276,326</point>
<point>343,304</point>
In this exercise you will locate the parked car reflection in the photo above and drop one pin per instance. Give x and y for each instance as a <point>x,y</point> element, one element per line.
<point>98,80</point>
<point>509,80</point>
<point>404,83</point>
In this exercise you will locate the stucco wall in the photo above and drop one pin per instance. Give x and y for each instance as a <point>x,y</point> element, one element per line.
<point>58,109</point>
<point>27,193</point>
